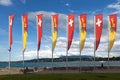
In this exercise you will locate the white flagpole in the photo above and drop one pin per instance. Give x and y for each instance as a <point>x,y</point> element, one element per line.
<point>52,44</point>
<point>94,61</point>
<point>94,43</point>
<point>22,45</point>
<point>108,59</point>
<point>79,48</point>
<point>108,44</point>
<point>67,46</point>
<point>9,62</point>
<point>37,39</point>
<point>23,63</point>
<point>38,55</point>
<point>52,61</point>
<point>66,60</point>
<point>9,65</point>
<point>80,67</point>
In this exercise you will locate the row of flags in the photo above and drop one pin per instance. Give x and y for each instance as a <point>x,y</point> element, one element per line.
<point>98,23</point>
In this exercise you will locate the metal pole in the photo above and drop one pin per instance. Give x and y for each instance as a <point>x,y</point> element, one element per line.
<point>38,55</point>
<point>37,39</point>
<point>23,63</point>
<point>22,45</point>
<point>80,66</point>
<point>52,45</point>
<point>38,58</point>
<point>108,60</point>
<point>9,50</point>
<point>66,60</point>
<point>67,45</point>
<point>108,45</point>
<point>94,43</point>
<point>80,48</point>
<point>94,61</point>
<point>9,62</point>
<point>52,61</point>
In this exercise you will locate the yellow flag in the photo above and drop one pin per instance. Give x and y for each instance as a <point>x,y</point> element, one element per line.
<point>24,30</point>
<point>112,29</point>
<point>54,30</point>
<point>82,20</point>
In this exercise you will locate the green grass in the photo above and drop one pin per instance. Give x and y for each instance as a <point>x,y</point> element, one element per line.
<point>83,76</point>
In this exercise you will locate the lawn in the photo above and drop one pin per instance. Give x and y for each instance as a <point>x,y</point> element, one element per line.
<point>82,76</point>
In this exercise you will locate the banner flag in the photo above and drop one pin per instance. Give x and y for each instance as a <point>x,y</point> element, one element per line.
<point>11,18</point>
<point>112,29</point>
<point>24,30</point>
<point>83,32</point>
<point>70,29</point>
<point>98,29</point>
<point>54,30</point>
<point>39,30</point>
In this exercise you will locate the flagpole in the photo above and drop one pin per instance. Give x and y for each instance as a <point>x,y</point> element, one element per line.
<point>22,45</point>
<point>79,50</point>
<point>94,61</point>
<point>23,63</point>
<point>94,44</point>
<point>80,67</point>
<point>52,46</point>
<point>52,61</point>
<point>67,46</point>
<point>108,60</point>
<point>38,55</point>
<point>9,62</point>
<point>9,49</point>
<point>66,60</point>
<point>37,39</point>
<point>108,45</point>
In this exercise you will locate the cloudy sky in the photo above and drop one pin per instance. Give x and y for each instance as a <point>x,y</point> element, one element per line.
<point>63,8</point>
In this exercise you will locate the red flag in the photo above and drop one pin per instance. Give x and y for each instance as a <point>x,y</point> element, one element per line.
<point>39,29</point>
<point>98,28</point>
<point>70,29</point>
<point>11,18</point>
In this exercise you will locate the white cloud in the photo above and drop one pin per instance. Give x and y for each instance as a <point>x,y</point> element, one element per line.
<point>115,6</point>
<point>32,15</point>
<point>42,54</point>
<point>47,18</point>
<point>6,2</point>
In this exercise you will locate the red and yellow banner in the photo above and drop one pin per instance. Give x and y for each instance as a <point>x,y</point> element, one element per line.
<point>54,30</point>
<point>112,29</point>
<point>24,30</point>
<point>70,29</point>
<point>39,30</point>
<point>98,29</point>
<point>11,18</point>
<point>83,32</point>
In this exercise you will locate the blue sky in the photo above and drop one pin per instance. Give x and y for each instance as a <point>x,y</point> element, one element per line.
<point>47,8</point>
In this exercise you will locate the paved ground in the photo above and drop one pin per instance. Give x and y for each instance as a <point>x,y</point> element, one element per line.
<point>4,71</point>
